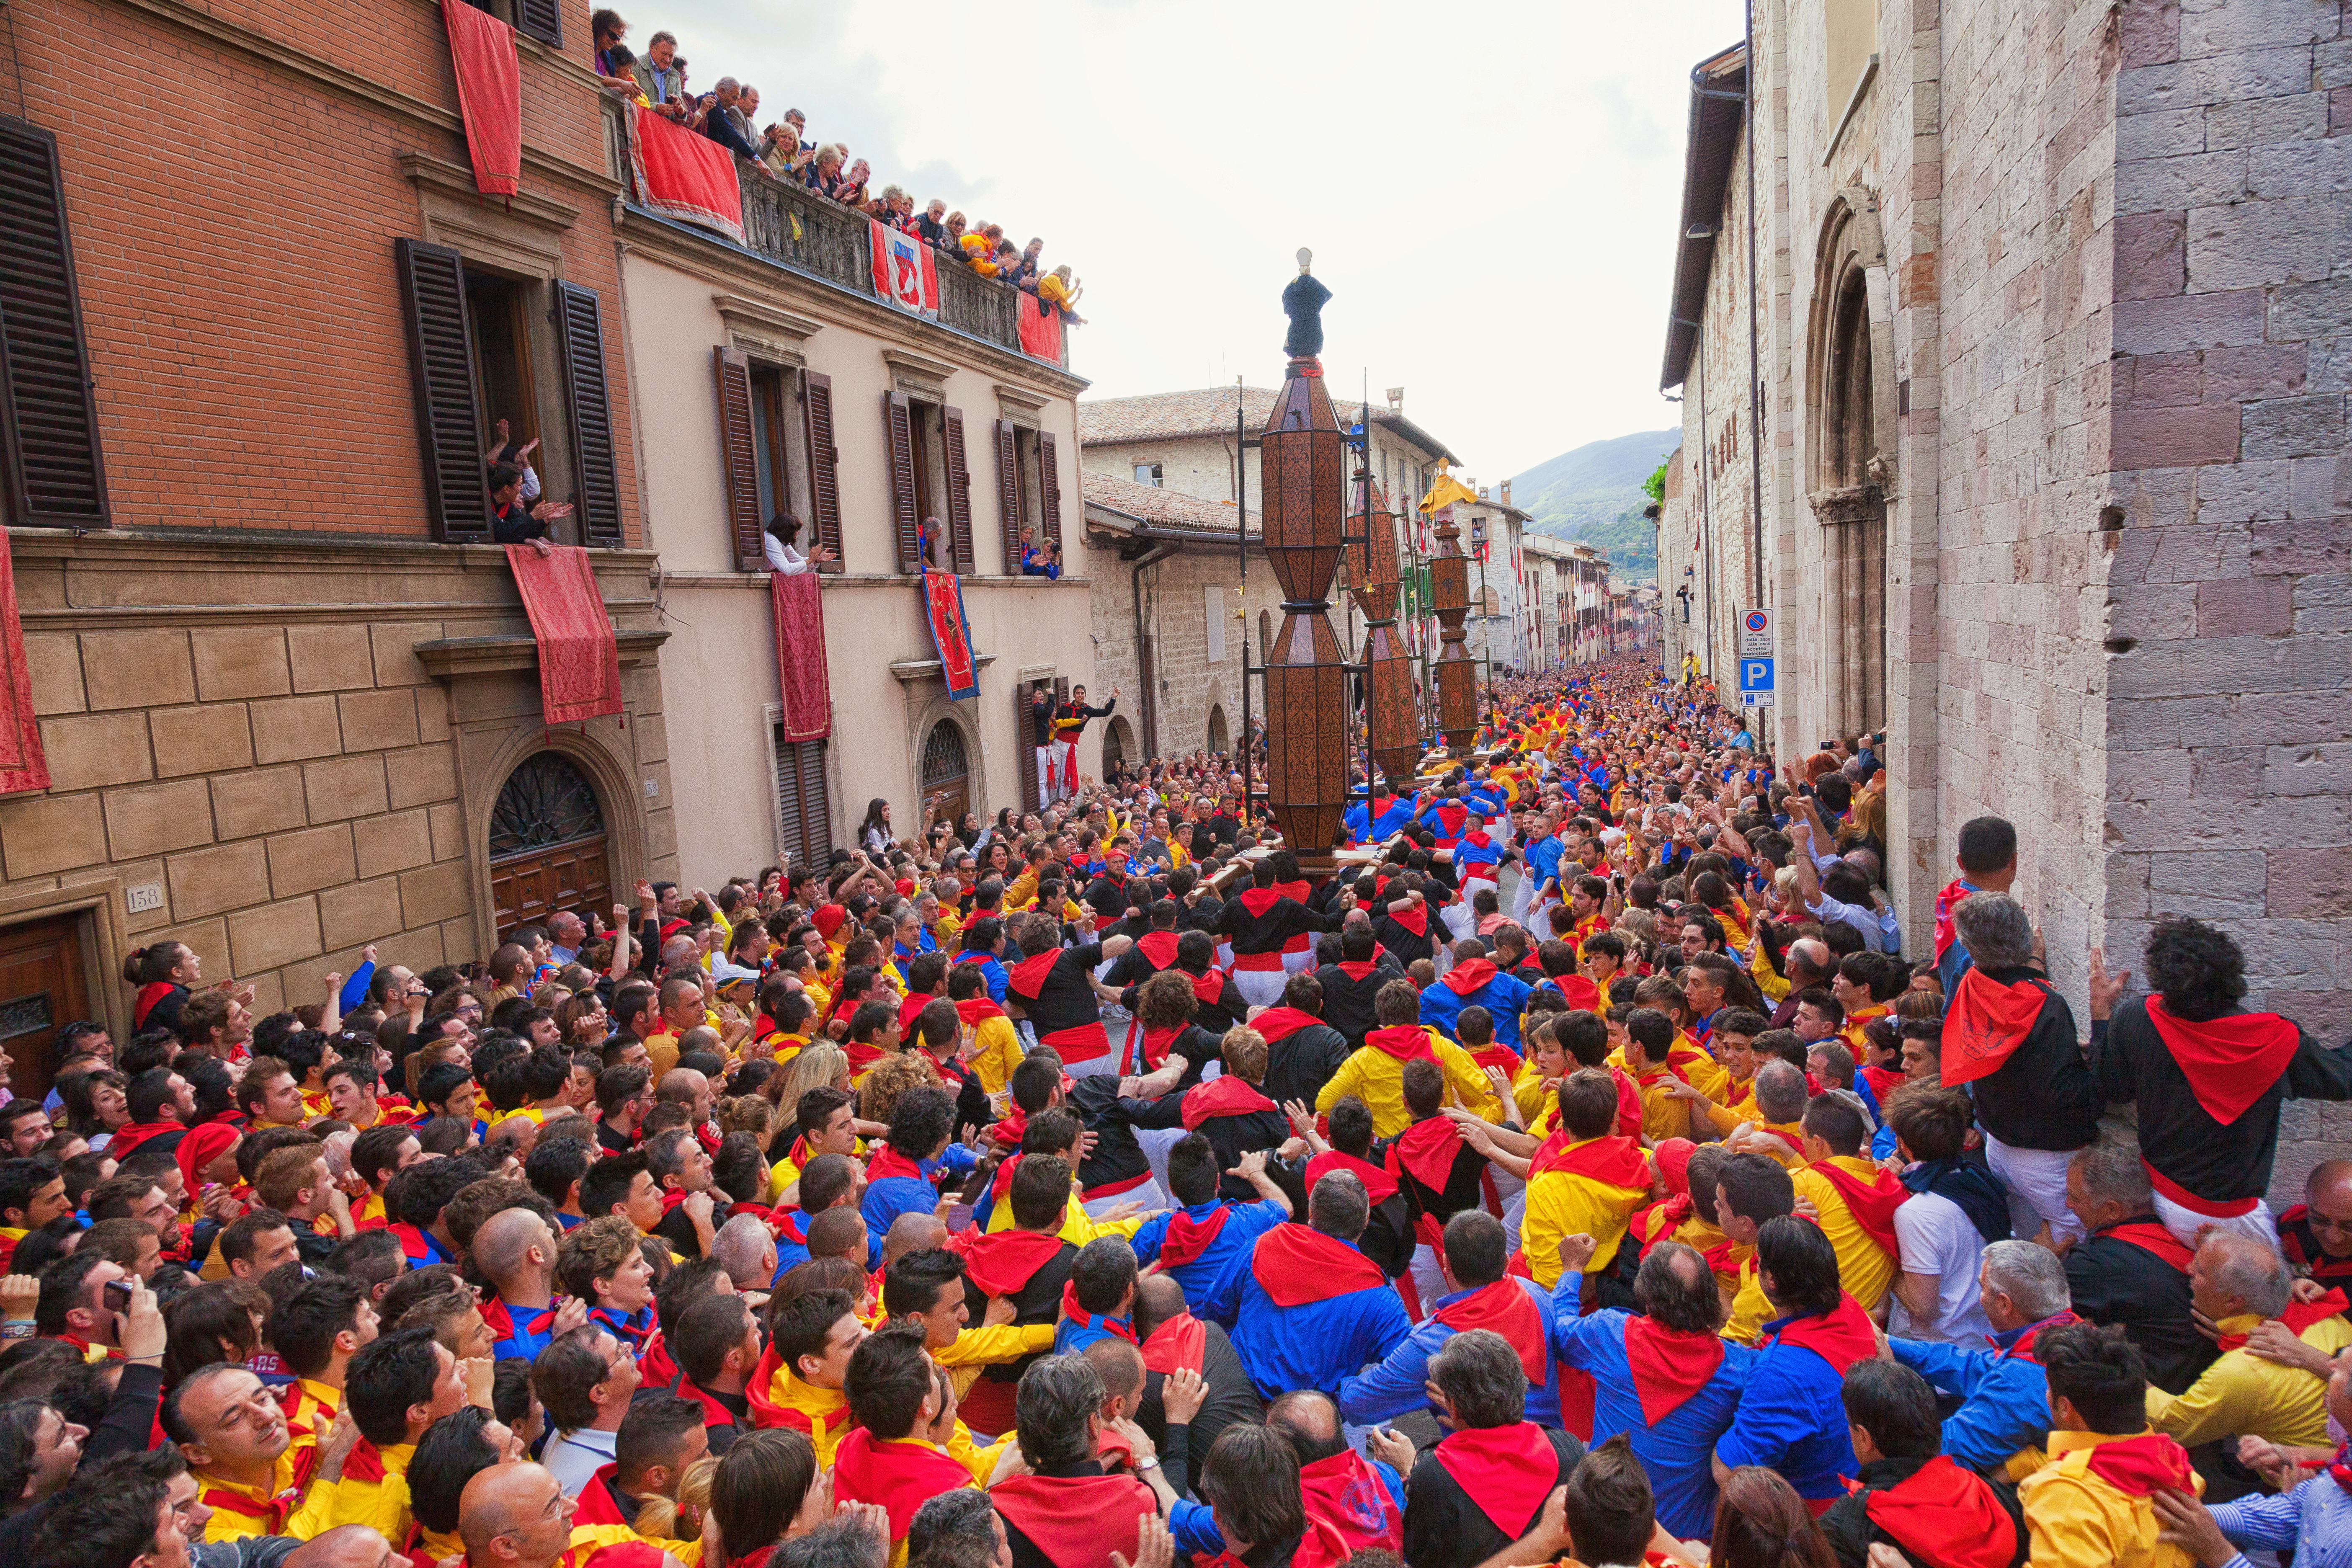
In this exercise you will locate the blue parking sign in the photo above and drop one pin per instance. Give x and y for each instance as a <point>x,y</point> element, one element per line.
<point>1754,675</point>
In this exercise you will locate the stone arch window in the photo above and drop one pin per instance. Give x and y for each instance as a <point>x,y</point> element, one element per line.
<point>1118,744</point>
<point>1850,419</point>
<point>1219,740</point>
<point>946,776</point>
<point>548,846</point>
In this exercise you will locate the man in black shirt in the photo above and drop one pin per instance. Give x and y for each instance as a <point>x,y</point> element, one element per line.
<point>1349,986</point>
<point>514,521</point>
<point>1171,1336</point>
<point>2130,1269</point>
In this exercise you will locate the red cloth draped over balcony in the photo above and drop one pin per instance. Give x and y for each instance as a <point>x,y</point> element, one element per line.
<point>686,176</point>
<point>579,661</point>
<point>1041,329</point>
<point>800,655</point>
<point>490,94</point>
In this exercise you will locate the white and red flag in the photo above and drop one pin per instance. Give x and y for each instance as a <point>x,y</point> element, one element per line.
<point>904,273</point>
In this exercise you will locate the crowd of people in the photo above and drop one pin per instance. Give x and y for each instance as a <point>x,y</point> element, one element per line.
<point>729,115</point>
<point>1583,1171</point>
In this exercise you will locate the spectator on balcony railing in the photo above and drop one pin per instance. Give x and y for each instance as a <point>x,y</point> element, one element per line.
<point>1040,557</point>
<point>932,224</point>
<point>779,545</point>
<point>951,234</point>
<point>823,173</point>
<point>746,114</point>
<point>507,452</point>
<point>609,30</point>
<point>717,108</point>
<point>853,193</point>
<point>623,83</point>
<point>1060,289</point>
<point>661,77</point>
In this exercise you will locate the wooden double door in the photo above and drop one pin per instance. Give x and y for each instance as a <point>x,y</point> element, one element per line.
<point>44,985</point>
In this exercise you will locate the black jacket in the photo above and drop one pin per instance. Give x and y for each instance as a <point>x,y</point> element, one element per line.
<point>2046,1095</point>
<point>1348,1001</point>
<point>128,1422</point>
<point>1443,1525</point>
<point>1297,1067</point>
<point>1232,1398</point>
<point>2177,1136</point>
<point>2113,1281</point>
<point>1851,1531</point>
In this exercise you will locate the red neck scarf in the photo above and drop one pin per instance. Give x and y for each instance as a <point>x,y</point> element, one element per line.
<point>1872,1203</point>
<point>1209,989</point>
<point>1181,1340</point>
<point>1156,1043</point>
<point>2230,1062</point>
<point>2152,1238</point>
<point>1279,1023</point>
<point>888,1162</point>
<point>1841,1336</point>
<point>129,1137</point>
<point>1028,977</point>
<point>1348,1495</point>
<point>1426,1151</point>
<point>154,991</point>
<point>1414,919</point>
<point>912,1008</point>
<point>1506,1470</point>
<point>1002,1262</point>
<point>2139,1466</point>
<point>1225,1095</point>
<point>1669,1365</point>
<point>1946,901</point>
<point>861,1055</point>
<point>901,1475</point>
<point>1405,1042</point>
<point>1616,1162</point>
<point>1075,1521</point>
<point>1357,968</point>
<point>1258,901</point>
<point>1506,1309</point>
<point>2298,1316</point>
<point>1186,1238</point>
<point>974,1011</point>
<point>1378,1186</point>
<point>1158,947</point>
<point>1942,1513</point>
<point>2338,1470</point>
<point>1120,1328</point>
<point>1297,1266</point>
<point>2024,1349</point>
<point>1467,977</point>
<point>1986,1023</point>
<point>1000,1187</point>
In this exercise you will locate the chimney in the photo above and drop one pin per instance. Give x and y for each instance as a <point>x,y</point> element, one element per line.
<point>1507,493</point>
<point>1396,400</point>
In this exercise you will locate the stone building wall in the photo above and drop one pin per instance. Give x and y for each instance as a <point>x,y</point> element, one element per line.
<point>1176,606</point>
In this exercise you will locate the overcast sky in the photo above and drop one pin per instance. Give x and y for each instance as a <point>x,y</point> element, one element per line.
<point>1491,189</point>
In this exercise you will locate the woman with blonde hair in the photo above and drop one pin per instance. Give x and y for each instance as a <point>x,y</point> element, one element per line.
<point>681,1517</point>
<point>820,1065</point>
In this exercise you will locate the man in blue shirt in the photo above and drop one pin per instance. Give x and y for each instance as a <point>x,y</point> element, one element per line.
<point>1098,1302</point>
<point>2004,1394</point>
<point>1540,876</point>
<point>1475,982</point>
<point>1200,1243</point>
<point>1664,1378</point>
<point>981,941</point>
<point>1307,1306</point>
<point>1479,1295</point>
<point>901,1177</point>
<point>1791,1414</point>
<point>515,1250</point>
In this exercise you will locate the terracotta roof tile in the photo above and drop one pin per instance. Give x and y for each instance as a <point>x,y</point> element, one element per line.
<point>1162,508</point>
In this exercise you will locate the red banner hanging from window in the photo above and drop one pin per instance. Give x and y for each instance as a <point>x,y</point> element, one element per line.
<point>943,607</point>
<point>806,688</point>
<point>489,95</point>
<point>579,661</point>
<point>904,273</point>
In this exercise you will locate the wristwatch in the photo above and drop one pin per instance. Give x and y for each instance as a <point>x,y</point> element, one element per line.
<point>1150,1464</point>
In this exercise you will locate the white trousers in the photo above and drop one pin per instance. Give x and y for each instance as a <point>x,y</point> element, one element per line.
<point>2186,1224</point>
<point>1261,987</point>
<point>2036,1180</point>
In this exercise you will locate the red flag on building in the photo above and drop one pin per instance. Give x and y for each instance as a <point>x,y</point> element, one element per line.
<point>903,270</point>
<point>686,176</point>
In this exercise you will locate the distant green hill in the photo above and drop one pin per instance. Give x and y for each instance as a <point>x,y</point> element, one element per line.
<point>1594,495</point>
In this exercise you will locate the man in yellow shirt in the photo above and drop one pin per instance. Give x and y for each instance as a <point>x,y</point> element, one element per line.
<point>2241,1285</point>
<point>927,1287</point>
<point>798,1381</point>
<point>1854,1199</point>
<point>1584,1179</point>
<point>235,1437</point>
<point>1375,1073</point>
<point>1649,1036</point>
<point>1776,1127</point>
<point>315,1331</point>
<point>1749,1190</point>
<point>394,1389</point>
<point>2091,1505</point>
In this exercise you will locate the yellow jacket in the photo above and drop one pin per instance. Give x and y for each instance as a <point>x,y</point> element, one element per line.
<point>1377,1079</point>
<point>2243,1395</point>
<point>229,1503</point>
<point>1749,1309</point>
<point>1561,1204</point>
<point>999,1052</point>
<point>383,1504</point>
<point>1864,1268</point>
<point>2074,1520</point>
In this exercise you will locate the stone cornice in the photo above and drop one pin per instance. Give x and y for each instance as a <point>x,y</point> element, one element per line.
<point>424,171</point>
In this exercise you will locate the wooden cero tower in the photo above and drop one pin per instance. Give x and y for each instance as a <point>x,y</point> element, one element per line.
<point>1302,452</point>
<point>1395,729</point>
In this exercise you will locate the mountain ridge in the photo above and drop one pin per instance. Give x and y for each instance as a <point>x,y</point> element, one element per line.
<point>1593,494</point>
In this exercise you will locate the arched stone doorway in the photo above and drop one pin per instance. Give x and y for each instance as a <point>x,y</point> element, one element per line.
<point>946,773</point>
<point>548,846</point>
<point>1848,403</point>
<point>1119,745</point>
<point>1219,740</point>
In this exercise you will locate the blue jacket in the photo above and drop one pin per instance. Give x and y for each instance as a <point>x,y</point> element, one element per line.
<point>1791,1418</point>
<point>1315,1345</point>
<point>2004,1397</point>
<point>1203,1279</point>
<point>998,979</point>
<point>1678,1452</point>
<point>891,1196</point>
<point>1074,1334</point>
<point>1503,995</point>
<point>1396,1386</point>
<point>1393,819</point>
<point>1194,1524</point>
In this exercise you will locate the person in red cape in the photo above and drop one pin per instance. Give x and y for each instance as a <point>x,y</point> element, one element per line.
<point>1908,1495</point>
<point>1662,1374</point>
<point>2206,1076</point>
<point>2128,1269</point>
<point>1477,1290</point>
<point>1801,1368</point>
<point>1253,1511</point>
<point>1066,1513</point>
<point>1485,1484</point>
<point>1439,1173</point>
<point>1359,1495</point>
<point>1172,1339</point>
<point>2093,1504</point>
<point>1262,918</point>
<point>1310,1308</point>
<point>904,1408</point>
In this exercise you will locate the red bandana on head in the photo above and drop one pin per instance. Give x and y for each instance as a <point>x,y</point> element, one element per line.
<point>2230,1062</point>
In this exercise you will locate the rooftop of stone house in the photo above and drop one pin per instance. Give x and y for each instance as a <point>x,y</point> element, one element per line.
<point>1208,412</point>
<point>1122,503</point>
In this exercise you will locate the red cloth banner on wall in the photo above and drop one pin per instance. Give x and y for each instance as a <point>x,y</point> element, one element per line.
<point>23,764</point>
<point>904,273</point>
<point>1041,329</point>
<point>807,688</point>
<point>490,94</point>
<point>943,608</point>
<point>579,660</point>
<point>686,176</point>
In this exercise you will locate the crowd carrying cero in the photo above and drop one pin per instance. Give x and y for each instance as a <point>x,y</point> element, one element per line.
<point>1584,1172</point>
<point>728,114</point>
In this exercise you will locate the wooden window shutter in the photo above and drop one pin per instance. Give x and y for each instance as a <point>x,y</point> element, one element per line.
<point>1049,485</point>
<point>49,413</point>
<point>541,19</point>
<point>803,813</point>
<point>1008,492</point>
<point>899,416</point>
<point>1025,726</point>
<point>592,416</point>
<point>743,520</point>
<point>441,358</point>
<point>959,490</point>
<point>824,483</point>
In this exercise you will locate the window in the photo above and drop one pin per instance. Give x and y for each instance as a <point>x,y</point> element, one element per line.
<point>929,478</point>
<point>478,355</point>
<point>946,775</point>
<point>1029,488</point>
<point>50,454</point>
<point>1147,474</point>
<point>541,19</point>
<point>769,436</point>
<point>803,813</point>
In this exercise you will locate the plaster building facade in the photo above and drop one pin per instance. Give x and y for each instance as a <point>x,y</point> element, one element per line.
<point>1497,625</point>
<point>773,380</point>
<point>1549,578</point>
<point>287,694</point>
<point>2047,315</point>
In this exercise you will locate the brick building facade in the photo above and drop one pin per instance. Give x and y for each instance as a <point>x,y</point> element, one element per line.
<point>2048,314</point>
<point>288,692</point>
